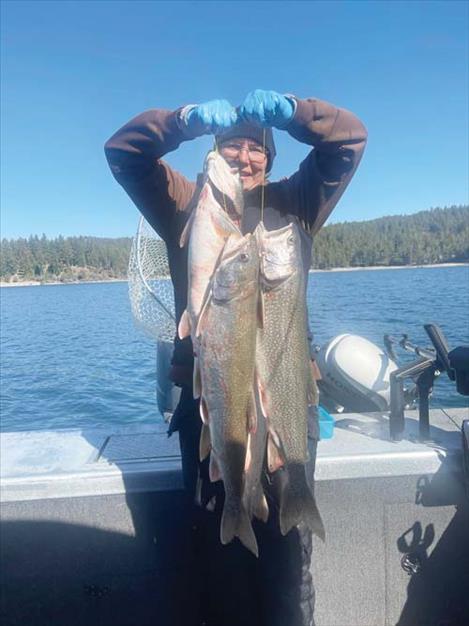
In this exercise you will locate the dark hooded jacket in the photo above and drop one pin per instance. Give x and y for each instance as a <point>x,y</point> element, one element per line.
<point>278,589</point>
<point>166,197</point>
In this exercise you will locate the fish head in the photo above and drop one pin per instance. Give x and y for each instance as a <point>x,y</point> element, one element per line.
<point>238,271</point>
<point>280,253</point>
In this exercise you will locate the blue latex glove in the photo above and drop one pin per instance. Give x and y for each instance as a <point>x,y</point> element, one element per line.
<point>267,108</point>
<point>211,117</point>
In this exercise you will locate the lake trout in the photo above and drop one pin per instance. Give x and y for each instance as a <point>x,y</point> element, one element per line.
<point>253,495</point>
<point>206,232</point>
<point>283,371</point>
<point>227,344</point>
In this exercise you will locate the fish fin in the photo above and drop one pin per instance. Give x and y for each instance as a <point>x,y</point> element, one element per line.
<point>274,456</point>
<point>196,380</point>
<point>313,390</point>
<point>184,326</point>
<point>205,443</point>
<point>235,522</point>
<point>203,410</point>
<point>202,315</point>
<point>255,503</point>
<point>187,229</point>
<point>214,469</point>
<point>248,459</point>
<point>262,396</point>
<point>261,508</point>
<point>298,505</point>
<point>252,414</point>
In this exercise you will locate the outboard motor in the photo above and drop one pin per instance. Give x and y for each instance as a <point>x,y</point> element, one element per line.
<point>355,375</point>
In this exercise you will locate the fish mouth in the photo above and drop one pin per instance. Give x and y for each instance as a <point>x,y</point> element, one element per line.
<point>281,271</point>
<point>280,263</point>
<point>246,286</point>
<point>272,281</point>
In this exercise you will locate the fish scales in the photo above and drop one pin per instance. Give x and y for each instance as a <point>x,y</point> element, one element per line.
<point>286,359</point>
<point>283,349</point>
<point>206,233</point>
<point>227,359</point>
<point>283,367</point>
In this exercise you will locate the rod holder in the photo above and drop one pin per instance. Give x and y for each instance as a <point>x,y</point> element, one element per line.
<point>423,369</point>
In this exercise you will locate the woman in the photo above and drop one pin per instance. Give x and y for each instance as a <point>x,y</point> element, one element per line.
<point>277,588</point>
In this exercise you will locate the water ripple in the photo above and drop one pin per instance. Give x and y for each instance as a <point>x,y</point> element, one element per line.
<point>71,356</point>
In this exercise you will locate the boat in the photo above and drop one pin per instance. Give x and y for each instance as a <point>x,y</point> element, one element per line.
<point>95,528</point>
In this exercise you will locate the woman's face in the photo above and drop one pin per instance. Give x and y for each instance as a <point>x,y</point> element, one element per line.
<point>246,157</point>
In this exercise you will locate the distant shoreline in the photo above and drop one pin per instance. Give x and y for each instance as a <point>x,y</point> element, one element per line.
<point>388,267</point>
<point>35,283</point>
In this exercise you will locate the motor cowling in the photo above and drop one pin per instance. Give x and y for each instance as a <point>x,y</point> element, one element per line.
<point>355,374</point>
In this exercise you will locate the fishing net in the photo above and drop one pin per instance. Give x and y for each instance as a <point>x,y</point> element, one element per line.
<point>150,288</point>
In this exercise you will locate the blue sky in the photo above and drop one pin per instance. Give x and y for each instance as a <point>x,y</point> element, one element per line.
<point>74,72</point>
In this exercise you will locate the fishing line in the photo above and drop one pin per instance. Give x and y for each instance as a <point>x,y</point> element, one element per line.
<point>223,195</point>
<point>263,181</point>
<point>217,150</point>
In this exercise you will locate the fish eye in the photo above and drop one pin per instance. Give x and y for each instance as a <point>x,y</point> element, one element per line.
<point>244,257</point>
<point>290,240</point>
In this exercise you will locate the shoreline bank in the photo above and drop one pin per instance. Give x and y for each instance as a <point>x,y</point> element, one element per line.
<point>35,283</point>
<point>388,267</point>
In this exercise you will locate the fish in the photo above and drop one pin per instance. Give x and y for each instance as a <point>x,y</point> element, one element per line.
<point>284,374</point>
<point>206,233</point>
<point>253,495</point>
<point>227,347</point>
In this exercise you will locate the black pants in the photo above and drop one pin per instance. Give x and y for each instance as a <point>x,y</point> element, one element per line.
<point>234,587</point>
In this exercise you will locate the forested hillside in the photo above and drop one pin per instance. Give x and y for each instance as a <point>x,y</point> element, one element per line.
<point>434,236</point>
<point>64,259</point>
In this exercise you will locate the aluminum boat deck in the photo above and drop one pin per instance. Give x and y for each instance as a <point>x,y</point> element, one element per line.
<point>94,528</point>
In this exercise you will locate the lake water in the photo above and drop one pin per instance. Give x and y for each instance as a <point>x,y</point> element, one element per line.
<point>71,356</point>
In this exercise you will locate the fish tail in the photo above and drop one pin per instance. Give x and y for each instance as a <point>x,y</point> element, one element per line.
<point>275,456</point>
<point>298,505</point>
<point>227,183</point>
<point>261,508</point>
<point>235,522</point>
